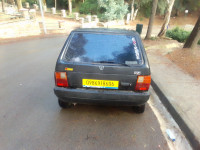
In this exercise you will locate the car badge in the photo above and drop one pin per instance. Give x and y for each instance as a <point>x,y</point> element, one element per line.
<point>101,67</point>
<point>137,72</point>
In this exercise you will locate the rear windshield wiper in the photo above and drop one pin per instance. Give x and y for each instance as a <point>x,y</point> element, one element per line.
<point>110,62</point>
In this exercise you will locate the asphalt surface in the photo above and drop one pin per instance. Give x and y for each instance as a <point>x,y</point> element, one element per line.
<point>30,117</point>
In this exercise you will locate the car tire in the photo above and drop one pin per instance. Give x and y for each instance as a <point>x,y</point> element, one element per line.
<point>64,105</point>
<point>139,109</point>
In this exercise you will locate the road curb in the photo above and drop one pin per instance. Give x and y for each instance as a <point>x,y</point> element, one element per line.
<point>195,144</point>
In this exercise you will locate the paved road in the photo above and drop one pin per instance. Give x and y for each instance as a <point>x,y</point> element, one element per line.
<point>30,117</point>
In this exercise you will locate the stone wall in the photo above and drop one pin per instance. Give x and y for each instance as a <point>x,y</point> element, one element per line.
<point>19,29</point>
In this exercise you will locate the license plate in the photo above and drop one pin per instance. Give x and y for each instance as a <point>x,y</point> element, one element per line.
<point>106,84</point>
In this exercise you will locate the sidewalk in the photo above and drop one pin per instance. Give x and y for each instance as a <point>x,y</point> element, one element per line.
<point>180,93</point>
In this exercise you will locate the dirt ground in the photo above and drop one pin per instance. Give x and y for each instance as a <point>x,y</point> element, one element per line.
<point>161,46</point>
<point>188,60</point>
<point>175,21</point>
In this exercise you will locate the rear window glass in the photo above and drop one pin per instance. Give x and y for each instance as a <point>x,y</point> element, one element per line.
<point>103,48</point>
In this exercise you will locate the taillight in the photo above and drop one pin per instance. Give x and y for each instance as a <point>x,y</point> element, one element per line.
<point>61,79</point>
<point>143,83</point>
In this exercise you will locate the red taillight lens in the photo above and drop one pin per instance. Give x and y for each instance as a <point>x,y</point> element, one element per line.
<point>61,79</point>
<point>143,83</point>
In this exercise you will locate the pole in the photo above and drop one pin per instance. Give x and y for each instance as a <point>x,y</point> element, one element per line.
<point>42,14</point>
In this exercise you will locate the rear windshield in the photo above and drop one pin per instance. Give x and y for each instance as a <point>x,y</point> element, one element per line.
<point>103,48</point>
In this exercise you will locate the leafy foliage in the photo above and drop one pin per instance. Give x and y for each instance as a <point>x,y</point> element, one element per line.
<point>145,7</point>
<point>61,4</point>
<point>89,7</point>
<point>162,5</point>
<point>182,5</point>
<point>178,34</point>
<point>113,9</point>
<point>105,9</point>
<point>31,2</point>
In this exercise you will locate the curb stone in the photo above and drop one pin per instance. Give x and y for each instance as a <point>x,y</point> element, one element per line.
<point>195,144</point>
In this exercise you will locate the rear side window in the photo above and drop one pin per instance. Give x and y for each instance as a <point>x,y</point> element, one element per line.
<point>98,48</point>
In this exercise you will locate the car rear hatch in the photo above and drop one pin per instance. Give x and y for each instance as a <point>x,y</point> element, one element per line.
<point>103,76</point>
<point>96,61</point>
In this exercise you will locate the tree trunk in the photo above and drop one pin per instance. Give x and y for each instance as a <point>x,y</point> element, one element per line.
<point>151,20</point>
<point>44,3</point>
<point>55,3</point>
<point>132,9</point>
<point>19,4</point>
<point>194,36</point>
<point>70,6</point>
<point>167,18</point>
<point>3,5</point>
<point>135,14</point>
<point>83,1</point>
<point>177,13</point>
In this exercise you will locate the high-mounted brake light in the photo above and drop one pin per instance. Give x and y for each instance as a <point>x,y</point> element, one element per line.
<point>61,79</point>
<point>143,83</point>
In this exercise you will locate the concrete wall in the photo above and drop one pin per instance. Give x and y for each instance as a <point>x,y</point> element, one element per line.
<point>19,29</point>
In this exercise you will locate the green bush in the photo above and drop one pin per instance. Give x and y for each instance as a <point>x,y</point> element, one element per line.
<point>31,2</point>
<point>178,34</point>
<point>106,10</point>
<point>89,7</point>
<point>145,9</point>
<point>112,9</point>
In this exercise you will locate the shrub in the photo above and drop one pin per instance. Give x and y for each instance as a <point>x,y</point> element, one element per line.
<point>113,9</point>
<point>105,9</point>
<point>31,2</point>
<point>89,7</point>
<point>178,34</point>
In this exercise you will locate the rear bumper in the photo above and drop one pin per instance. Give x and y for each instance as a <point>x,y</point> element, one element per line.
<point>107,97</point>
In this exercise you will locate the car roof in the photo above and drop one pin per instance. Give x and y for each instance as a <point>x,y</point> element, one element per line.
<point>107,30</point>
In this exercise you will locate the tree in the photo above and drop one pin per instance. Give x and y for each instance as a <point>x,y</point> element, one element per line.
<point>113,9</point>
<point>179,6</point>
<point>89,7</point>
<point>70,6</point>
<point>44,3</point>
<point>194,36</point>
<point>132,9</point>
<point>3,6</point>
<point>145,7</point>
<point>167,18</point>
<point>151,20</point>
<point>19,4</point>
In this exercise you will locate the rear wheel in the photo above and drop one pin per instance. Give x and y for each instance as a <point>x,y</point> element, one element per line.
<point>139,109</point>
<point>64,104</point>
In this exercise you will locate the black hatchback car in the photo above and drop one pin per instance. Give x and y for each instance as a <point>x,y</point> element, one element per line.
<point>103,66</point>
